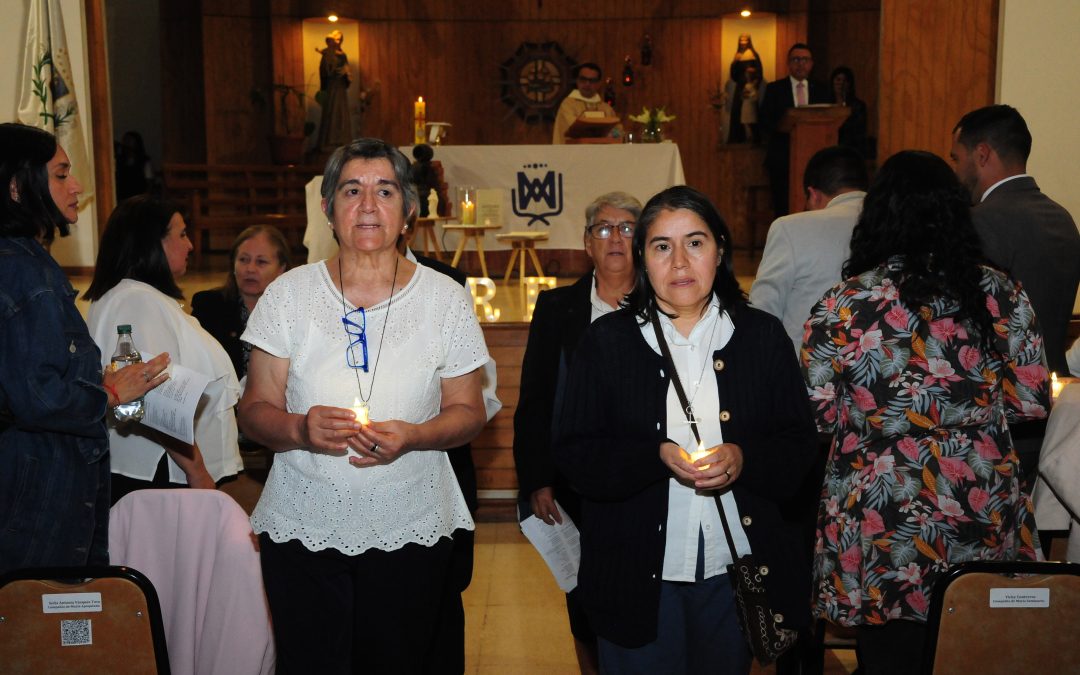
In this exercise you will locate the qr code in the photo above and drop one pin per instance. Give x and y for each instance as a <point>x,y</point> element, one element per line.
<point>75,632</point>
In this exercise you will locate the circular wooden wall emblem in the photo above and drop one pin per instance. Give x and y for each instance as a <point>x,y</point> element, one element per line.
<point>536,79</point>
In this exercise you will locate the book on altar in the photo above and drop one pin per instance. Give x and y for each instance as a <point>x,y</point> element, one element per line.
<point>592,124</point>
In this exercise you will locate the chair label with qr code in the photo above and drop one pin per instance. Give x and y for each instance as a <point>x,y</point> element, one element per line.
<point>62,603</point>
<point>1019,597</point>
<point>76,632</point>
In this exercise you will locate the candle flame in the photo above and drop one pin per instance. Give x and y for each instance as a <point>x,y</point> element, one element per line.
<point>1055,385</point>
<point>419,99</point>
<point>699,453</point>
<point>360,409</point>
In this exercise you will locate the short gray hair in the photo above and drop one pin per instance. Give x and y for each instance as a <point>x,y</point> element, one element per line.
<point>618,200</point>
<point>369,148</point>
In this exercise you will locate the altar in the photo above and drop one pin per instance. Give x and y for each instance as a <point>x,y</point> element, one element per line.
<point>545,187</point>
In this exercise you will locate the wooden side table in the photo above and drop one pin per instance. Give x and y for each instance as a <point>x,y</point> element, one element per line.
<point>476,234</point>
<point>522,243</point>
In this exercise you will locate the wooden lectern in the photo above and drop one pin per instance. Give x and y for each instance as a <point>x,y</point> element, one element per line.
<point>812,127</point>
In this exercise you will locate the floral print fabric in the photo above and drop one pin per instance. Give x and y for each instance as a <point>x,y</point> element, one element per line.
<point>921,472</point>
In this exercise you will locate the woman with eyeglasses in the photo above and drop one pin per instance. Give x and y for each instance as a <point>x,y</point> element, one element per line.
<point>559,320</point>
<point>143,250</point>
<point>364,368</point>
<point>685,401</point>
<point>54,397</point>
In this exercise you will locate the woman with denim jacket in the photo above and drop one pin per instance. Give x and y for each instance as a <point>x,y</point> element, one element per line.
<point>54,461</point>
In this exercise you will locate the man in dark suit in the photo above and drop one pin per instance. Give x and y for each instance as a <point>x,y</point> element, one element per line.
<point>1023,231</point>
<point>559,320</point>
<point>797,89</point>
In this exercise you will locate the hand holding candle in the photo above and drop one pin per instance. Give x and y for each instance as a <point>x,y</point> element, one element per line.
<point>360,409</point>
<point>699,453</point>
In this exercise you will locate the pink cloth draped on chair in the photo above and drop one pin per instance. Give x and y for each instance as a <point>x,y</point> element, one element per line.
<point>197,548</point>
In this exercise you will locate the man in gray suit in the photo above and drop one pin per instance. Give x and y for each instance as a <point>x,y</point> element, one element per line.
<point>1022,231</point>
<point>802,259</point>
<point>805,251</point>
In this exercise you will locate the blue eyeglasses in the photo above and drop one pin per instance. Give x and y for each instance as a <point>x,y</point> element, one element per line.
<point>356,353</point>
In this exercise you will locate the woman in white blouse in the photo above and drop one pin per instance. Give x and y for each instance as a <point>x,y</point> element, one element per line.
<point>143,250</point>
<point>364,368</point>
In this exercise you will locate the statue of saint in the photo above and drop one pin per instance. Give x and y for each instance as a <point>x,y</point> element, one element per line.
<point>742,95</point>
<point>335,127</point>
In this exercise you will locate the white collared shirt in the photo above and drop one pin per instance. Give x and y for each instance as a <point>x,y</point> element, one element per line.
<point>691,511</point>
<point>599,306</point>
<point>1003,180</point>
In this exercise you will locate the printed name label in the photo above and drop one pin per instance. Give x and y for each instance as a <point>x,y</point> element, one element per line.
<point>60,603</point>
<point>1019,597</point>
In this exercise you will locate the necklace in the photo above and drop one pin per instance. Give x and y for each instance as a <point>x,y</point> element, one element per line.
<point>362,409</point>
<point>689,412</point>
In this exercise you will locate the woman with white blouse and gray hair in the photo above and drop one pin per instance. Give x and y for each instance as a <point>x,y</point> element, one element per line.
<point>355,520</point>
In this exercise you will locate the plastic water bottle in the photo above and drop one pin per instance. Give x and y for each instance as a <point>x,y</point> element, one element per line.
<point>124,356</point>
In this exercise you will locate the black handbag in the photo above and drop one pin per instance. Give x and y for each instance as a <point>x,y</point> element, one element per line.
<point>760,625</point>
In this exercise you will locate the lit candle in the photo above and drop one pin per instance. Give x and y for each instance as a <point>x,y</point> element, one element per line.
<point>468,212</point>
<point>1055,386</point>
<point>699,453</point>
<point>360,409</point>
<point>419,120</point>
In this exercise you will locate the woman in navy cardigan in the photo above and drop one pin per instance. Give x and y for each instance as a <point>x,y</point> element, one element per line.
<point>653,562</point>
<point>259,255</point>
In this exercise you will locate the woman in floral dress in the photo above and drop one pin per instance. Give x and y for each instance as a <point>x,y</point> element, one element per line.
<point>916,364</point>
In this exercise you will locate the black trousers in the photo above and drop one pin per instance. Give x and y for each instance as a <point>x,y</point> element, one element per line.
<point>376,612</point>
<point>447,653</point>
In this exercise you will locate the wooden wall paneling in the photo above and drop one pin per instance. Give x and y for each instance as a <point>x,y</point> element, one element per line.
<point>287,40</point>
<point>236,60</point>
<point>493,449</point>
<point>450,54</point>
<point>101,119</point>
<point>537,11</point>
<point>848,33</point>
<point>183,100</point>
<point>938,61</point>
<point>790,29</point>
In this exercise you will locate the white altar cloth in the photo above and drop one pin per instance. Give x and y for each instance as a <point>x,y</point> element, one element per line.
<point>545,187</point>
